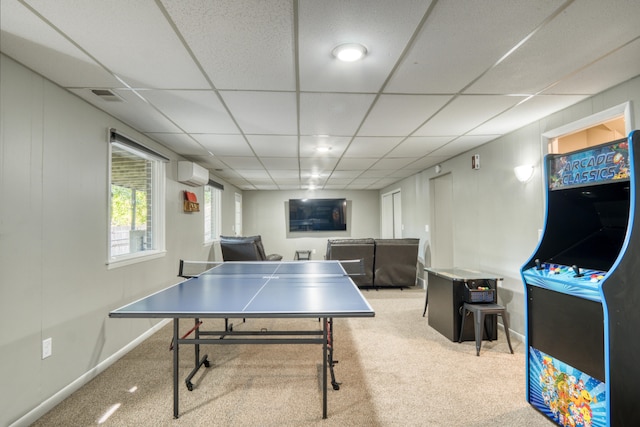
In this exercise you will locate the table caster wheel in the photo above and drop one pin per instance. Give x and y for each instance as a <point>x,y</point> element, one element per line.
<point>189,386</point>
<point>206,364</point>
<point>336,386</point>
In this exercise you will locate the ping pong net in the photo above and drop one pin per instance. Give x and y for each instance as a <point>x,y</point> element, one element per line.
<point>189,269</point>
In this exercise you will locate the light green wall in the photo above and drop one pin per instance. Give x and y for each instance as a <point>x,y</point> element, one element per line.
<point>264,213</point>
<point>496,218</point>
<point>54,281</point>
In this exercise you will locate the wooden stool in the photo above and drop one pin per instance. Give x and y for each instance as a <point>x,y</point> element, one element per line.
<point>480,310</point>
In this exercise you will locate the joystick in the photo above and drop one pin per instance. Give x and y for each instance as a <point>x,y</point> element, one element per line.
<point>576,269</point>
<point>538,266</point>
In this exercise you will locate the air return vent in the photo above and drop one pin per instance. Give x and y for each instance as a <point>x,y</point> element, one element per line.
<point>107,95</point>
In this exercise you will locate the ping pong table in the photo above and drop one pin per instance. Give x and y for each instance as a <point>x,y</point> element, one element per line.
<point>254,290</point>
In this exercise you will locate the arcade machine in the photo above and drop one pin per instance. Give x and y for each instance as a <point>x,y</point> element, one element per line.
<point>582,289</point>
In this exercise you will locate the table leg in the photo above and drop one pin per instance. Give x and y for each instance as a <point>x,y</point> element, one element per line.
<point>426,301</point>
<point>325,337</point>
<point>176,346</point>
<point>197,346</point>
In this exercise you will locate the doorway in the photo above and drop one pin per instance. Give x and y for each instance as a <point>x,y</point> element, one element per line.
<point>391,215</point>
<point>442,221</point>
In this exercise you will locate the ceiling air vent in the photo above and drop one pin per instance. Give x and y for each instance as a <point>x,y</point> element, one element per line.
<point>107,95</point>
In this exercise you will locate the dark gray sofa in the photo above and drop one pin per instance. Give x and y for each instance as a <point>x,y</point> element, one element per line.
<point>395,262</point>
<point>387,262</point>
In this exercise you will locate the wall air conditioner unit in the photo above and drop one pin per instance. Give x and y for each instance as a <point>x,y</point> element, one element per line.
<point>192,174</point>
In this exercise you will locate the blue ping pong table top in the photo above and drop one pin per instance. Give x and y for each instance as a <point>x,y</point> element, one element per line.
<point>257,289</point>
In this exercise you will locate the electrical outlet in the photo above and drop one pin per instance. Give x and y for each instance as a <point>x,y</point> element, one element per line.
<point>47,347</point>
<point>313,251</point>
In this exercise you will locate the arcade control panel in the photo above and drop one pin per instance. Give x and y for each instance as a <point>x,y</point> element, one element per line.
<point>566,279</point>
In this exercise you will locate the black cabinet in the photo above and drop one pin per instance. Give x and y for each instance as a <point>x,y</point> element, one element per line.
<point>446,294</point>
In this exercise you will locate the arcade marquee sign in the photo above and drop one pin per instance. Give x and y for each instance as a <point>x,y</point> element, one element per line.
<point>607,162</point>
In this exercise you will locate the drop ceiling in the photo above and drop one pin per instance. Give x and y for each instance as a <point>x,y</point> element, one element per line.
<point>249,88</point>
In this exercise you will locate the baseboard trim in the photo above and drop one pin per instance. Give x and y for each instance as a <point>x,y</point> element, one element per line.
<point>37,412</point>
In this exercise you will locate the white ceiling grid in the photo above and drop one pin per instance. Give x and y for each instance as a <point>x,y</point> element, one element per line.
<point>250,89</point>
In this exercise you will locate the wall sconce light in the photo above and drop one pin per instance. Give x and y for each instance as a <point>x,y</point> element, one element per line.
<point>523,172</point>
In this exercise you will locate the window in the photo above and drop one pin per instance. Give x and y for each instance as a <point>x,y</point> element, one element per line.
<point>608,125</point>
<point>237,228</point>
<point>136,200</point>
<point>212,212</point>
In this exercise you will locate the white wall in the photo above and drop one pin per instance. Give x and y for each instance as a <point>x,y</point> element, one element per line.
<point>497,218</point>
<point>264,213</point>
<point>54,281</point>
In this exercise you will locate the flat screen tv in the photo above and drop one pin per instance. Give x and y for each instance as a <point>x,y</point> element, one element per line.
<point>317,215</point>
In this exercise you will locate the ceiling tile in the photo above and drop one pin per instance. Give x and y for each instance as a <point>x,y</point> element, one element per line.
<point>246,45</point>
<point>475,110</point>
<point>334,187</point>
<point>309,146</point>
<point>288,163</point>
<point>418,146</point>
<point>133,111</point>
<point>332,113</point>
<point>383,27</point>
<point>371,146</point>
<point>284,174</point>
<point>346,174</point>
<point>461,145</point>
<point>542,60</point>
<point>256,175</point>
<point>394,115</point>
<point>427,162</point>
<point>393,163</point>
<point>381,183</point>
<point>318,164</point>
<point>289,187</point>
<point>241,163</point>
<point>479,32</point>
<point>180,143</point>
<point>274,145</point>
<point>39,46</point>
<point>214,164</point>
<point>195,111</point>
<point>521,115</point>
<point>619,66</point>
<point>224,145</point>
<point>355,164</point>
<point>362,182</point>
<point>263,112</point>
<point>376,173</point>
<point>154,57</point>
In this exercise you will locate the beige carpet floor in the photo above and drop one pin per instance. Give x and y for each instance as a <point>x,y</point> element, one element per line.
<point>395,370</point>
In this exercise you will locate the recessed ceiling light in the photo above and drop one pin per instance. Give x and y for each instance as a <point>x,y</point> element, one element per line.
<point>349,52</point>
<point>323,149</point>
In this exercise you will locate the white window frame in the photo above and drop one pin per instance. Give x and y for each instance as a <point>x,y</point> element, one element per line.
<point>237,227</point>
<point>623,109</point>
<point>215,207</point>
<point>158,211</point>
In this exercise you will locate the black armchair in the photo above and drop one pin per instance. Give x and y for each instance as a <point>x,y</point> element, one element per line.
<point>237,248</point>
